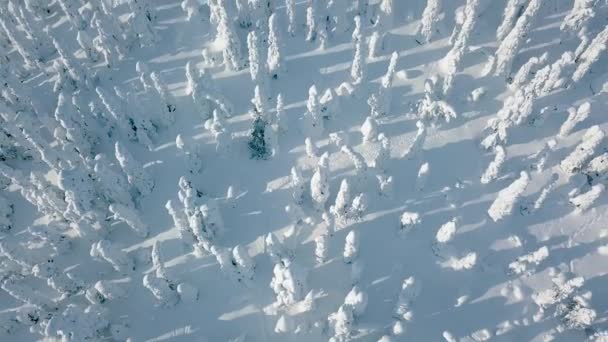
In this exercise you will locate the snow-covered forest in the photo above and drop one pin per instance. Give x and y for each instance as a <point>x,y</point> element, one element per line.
<point>303,170</point>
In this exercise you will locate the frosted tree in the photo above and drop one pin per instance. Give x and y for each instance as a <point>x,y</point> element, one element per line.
<point>105,250</point>
<point>229,40</point>
<point>141,23</point>
<point>576,160</point>
<point>136,175</point>
<point>358,69</point>
<point>410,290</point>
<point>161,290</point>
<point>204,93</point>
<point>576,20</point>
<point>288,283</point>
<point>180,221</point>
<point>508,197</point>
<point>430,18</point>
<point>384,154</point>
<point>452,60</point>
<point>311,22</point>
<point>70,9</point>
<point>80,192</point>
<point>244,264</point>
<point>342,324</point>
<point>192,9</point>
<point>321,248</point>
<point>369,129</point>
<point>130,217</point>
<point>351,246</point>
<point>191,152</point>
<point>319,183</point>
<point>491,173</point>
<point>575,116</point>
<point>73,125</point>
<point>509,47</point>
<point>256,69</point>
<point>113,185</point>
<point>290,8</point>
<point>585,200</point>
<point>280,115</point>
<point>168,105</point>
<point>527,70</point>
<point>298,185</point>
<point>433,109</point>
<point>276,65</point>
<point>259,142</point>
<point>341,207</point>
<point>356,299</point>
<point>591,55</point>
<point>64,283</point>
<point>423,174</point>
<point>512,12</point>
<point>418,142</point>
<point>380,101</point>
<point>313,117</point>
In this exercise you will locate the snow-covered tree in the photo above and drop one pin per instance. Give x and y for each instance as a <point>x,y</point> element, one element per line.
<point>585,200</point>
<point>113,185</point>
<point>384,155</point>
<point>161,290</point>
<point>410,290</point>
<point>594,51</point>
<point>369,129</point>
<point>88,47</point>
<point>321,248</point>
<point>192,9</point>
<point>423,174</point>
<point>351,246</point>
<point>491,173</point>
<point>380,101</point>
<point>576,160</point>
<point>129,216</point>
<point>244,264</point>
<point>168,106</point>
<point>509,47</point>
<point>341,207</point>
<point>358,69</point>
<point>418,142</point>
<point>141,23</point>
<point>581,13</point>
<point>228,39</point>
<point>311,22</point>
<point>508,197</point>
<point>275,62</point>
<point>105,250</point>
<point>356,299</point>
<point>319,183</point>
<point>430,18</point>
<point>512,12</point>
<point>136,175</point>
<point>432,108</point>
<point>528,69</point>
<point>342,324</point>
<point>288,282</point>
<point>575,116</point>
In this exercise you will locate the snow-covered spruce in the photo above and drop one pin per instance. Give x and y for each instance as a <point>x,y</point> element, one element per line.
<point>319,183</point>
<point>105,250</point>
<point>575,116</point>
<point>351,246</point>
<point>508,197</point>
<point>430,18</point>
<point>576,160</point>
<point>585,200</point>
<point>491,173</point>
<point>523,263</point>
<point>136,175</point>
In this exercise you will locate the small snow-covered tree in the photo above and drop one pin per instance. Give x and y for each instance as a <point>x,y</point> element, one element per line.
<point>168,106</point>
<point>576,160</point>
<point>585,200</point>
<point>509,47</point>
<point>88,47</point>
<point>136,175</point>
<point>288,283</point>
<point>319,183</point>
<point>512,12</point>
<point>380,101</point>
<point>290,9</point>
<point>491,173</point>
<point>229,40</point>
<point>507,198</point>
<point>111,253</point>
<point>369,129</point>
<point>342,323</point>
<point>321,248</point>
<point>130,217</point>
<point>341,207</point>
<point>527,70</point>
<point>409,220</point>
<point>581,13</point>
<point>356,299</point>
<point>410,290</point>
<point>192,9</point>
<point>433,109</point>
<point>358,69</point>
<point>161,290</point>
<point>351,246</point>
<point>423,174</point>
<point>311,22</point>
<point>418,142</point>
<point>244,264</point>
<point>575,116</point>
<point>275,62</point>
<point>430,18</point>
<point>594,51</point>
<point>114,185</point>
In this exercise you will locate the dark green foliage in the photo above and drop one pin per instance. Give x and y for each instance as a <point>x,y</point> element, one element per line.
<point>257,145</point>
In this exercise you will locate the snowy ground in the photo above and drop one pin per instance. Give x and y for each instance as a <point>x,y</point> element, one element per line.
<point>485,299</point>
